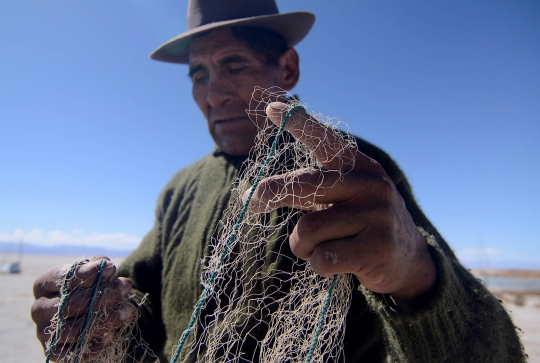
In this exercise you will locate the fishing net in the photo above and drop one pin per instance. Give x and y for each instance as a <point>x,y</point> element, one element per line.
<point>123,342</point>
<point>259,302</point>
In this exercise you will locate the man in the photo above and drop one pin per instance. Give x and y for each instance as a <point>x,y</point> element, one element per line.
<point>416,303</point>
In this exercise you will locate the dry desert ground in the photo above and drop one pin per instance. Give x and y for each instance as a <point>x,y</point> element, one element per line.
<point>17,331</point>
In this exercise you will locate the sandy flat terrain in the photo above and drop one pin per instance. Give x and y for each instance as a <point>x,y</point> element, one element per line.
<point>17,331</point>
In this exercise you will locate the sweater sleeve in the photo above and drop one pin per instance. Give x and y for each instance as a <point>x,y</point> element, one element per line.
<point>463,322</point>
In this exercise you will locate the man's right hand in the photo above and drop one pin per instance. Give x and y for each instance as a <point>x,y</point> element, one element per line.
<point>47,299</point>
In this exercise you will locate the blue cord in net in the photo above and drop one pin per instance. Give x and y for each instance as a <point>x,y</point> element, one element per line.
<point>88,315</point>
<point>321,320</point>
<point>63,301</point>
<point>232,237</point>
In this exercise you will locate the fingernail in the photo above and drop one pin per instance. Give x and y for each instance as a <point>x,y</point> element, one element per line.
<point>124,314</point>
<point>332,257</point>
<point>253,203</point>
<point>107,339</point>
<point>126,287</point>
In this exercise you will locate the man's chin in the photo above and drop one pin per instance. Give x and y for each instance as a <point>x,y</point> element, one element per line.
<point>236,143</point>
<point>236,151</point>
<point>236,148</point>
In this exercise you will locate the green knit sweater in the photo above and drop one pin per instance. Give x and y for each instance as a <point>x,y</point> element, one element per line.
<point>462,323</point>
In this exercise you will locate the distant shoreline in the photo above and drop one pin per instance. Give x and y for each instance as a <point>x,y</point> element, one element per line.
<point>13,249</point>
<point>515,273</point>
<point>10,251</point>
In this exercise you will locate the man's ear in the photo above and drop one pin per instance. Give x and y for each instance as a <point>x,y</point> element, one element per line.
<point>289,69</point>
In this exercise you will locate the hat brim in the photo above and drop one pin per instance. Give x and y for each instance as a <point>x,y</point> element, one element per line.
<point>292,26</point>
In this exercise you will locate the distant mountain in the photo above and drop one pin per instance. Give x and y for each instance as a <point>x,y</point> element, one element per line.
<point>13,248</point>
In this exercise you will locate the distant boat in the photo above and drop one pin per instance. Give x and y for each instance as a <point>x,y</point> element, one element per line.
<point>13,267</point>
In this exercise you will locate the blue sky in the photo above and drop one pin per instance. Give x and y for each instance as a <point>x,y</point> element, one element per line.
<point>91,129</point>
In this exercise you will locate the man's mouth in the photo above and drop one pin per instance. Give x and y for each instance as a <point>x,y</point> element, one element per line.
<point>229,120</point>
<point>234,122</point>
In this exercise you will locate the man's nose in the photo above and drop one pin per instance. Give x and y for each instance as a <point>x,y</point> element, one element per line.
<point>219,92</point>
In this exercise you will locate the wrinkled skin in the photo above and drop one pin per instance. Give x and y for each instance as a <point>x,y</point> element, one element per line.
<point>224,73</point>
<point>366,230</point>
<point>47,298</point>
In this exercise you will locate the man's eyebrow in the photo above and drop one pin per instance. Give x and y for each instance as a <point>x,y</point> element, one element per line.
<point>195,69</point>
<point>227,60</point>
<point>233,59</point>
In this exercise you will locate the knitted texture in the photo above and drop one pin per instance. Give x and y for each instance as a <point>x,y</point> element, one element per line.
<point>463,316</point>
<point>462,323</point>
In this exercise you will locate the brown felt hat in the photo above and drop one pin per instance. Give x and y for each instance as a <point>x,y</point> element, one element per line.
<point>205,15</point>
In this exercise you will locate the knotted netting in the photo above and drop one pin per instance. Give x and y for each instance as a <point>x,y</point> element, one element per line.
<point>84,340</point>
<point>259,302</point>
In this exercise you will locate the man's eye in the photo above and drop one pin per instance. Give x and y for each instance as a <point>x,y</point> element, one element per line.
<point>236,70</point>
<point>199,78</point>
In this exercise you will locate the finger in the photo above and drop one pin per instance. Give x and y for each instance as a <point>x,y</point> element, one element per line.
<point>92,351</point>
<point>311,187</point>
<point>49,283</point>
<point>367,258</point>
<point>330,147</point>
<point>302,189</point>
<point>337,222</point>
<point>44,308</point>
<point>71,331</point>
<point>109,293</point>
<point>87,273</point>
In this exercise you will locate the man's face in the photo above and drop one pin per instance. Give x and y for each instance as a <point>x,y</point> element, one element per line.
<point>224,72</point>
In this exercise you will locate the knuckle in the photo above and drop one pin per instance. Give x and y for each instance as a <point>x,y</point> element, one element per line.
<point>37,288</point>
<point>299,248</point>
<point>43,309</point>
<point>384,188</point>
<point>46,283</point>
<point>376,166</point>
<point>295,246</point>
<point>307,225</point>
<point>36,311</point>
<point>87,272</point>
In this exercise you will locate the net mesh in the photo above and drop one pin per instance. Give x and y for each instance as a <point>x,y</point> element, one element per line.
<point>74,341</point>
<point>260,303</point>
<point>263,304</point>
